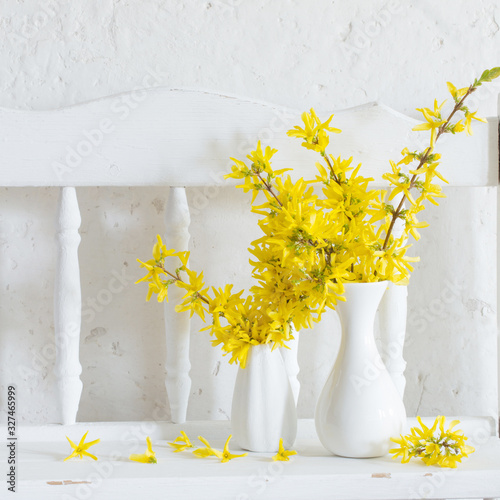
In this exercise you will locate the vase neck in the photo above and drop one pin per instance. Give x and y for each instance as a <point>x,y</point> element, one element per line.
<point>259,352</point>
<point>357,313</point>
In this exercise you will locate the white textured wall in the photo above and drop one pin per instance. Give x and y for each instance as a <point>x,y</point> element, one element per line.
<point>329,54</point>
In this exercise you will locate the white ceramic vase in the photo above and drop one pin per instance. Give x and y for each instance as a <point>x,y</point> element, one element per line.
<point>359,409</point>
<point>263,409</point>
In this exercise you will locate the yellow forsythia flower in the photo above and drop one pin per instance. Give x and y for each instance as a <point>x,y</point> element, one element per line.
<point>316,234</point>
<point>433,445</point>
<point>208,451</point>
<point>81,449</point>
<point>181,443</point>
<point>283,454</point>
<point>314,132</point>
<point>148,457</point>
<point>433,120</point>
<point>468,120</point>
<point>456,94</point>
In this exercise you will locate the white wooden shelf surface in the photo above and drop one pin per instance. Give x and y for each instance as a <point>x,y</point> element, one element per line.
<point>313,473</point>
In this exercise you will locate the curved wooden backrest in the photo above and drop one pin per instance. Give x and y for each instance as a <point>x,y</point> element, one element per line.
<point>185,138</point>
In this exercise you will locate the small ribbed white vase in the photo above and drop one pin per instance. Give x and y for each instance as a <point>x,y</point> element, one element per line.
<point>263,409</point>
<point>359,409</point>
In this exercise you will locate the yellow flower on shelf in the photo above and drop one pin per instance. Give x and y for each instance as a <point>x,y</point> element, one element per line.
<point>148,457</point>
<point>433,445</point>
<point>283,455</point>
<point>225,455</point>
<point>81,449</point>
<point>181,443</point>
<point>208,451</point>
<point>404,449</point>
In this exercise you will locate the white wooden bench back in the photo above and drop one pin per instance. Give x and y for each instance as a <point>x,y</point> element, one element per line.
<point>178,139</point>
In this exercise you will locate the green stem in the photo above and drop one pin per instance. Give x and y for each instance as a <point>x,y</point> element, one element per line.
<point>325,156</point>
<point>269,189</point>
<point>176,278</point>
<point>423,160</point>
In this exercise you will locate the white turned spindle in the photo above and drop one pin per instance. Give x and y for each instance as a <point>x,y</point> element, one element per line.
<point>177,325</point>
<point>392,322</point>
<point>68,307</point>
<point>291,364</point>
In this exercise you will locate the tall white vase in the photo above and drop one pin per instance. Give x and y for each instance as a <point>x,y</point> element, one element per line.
<point>359,409</point>
<point>263,409</point>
